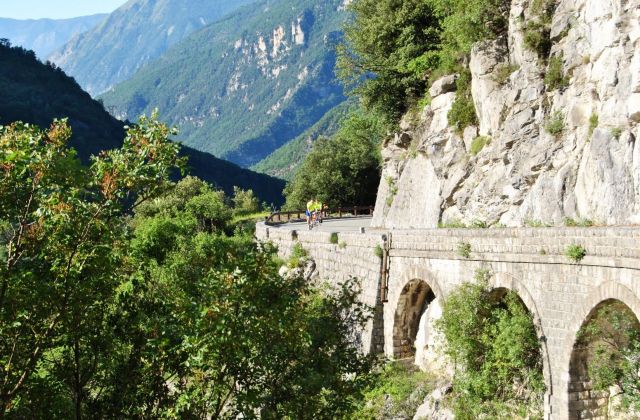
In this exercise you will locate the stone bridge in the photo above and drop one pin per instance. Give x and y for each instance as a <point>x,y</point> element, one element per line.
<point>406,273</point>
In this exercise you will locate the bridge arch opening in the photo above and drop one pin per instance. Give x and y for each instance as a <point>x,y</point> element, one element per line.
<point>605,354</point>
<point>413,323</point>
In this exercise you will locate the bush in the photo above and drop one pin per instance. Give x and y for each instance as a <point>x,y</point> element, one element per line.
<point>333,238</point>
<point>555,78</point>
<point>569,222</point>
<point>496,353</point>
<point>464,249</point>
<point>244,202</point>
<point>478,144</point>
<point>611,339</point>
<point>593,124</point>
<point>378,252</point>
<point>397,393</point>
<point>502,73</point>
<point>463,110</point>
<point>616,132</point>
<point>537,37</point>
<point>555,124</point>
<point>575,253</point>
<point>298,255</point>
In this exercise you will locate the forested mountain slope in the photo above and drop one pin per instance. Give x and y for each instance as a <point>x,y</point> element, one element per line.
<point>246,85</point>
<point>37,93</point>
<point>43,36</point>
<point>133,35</point>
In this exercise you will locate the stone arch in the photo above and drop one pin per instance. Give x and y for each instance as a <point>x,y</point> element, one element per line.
<point>501,282</point>
<point>580,398</point>
<point>415,291</point>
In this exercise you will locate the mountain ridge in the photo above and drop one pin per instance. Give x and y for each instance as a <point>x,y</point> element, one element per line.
<point>132,36</point>
<point>43,36</point>
<point>36,93</point>
<point>244,86</point>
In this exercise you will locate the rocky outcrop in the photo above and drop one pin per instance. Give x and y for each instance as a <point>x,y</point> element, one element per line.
<point>586,167</point>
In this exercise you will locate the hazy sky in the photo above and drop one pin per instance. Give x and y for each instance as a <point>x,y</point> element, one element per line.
<point>56,9</point>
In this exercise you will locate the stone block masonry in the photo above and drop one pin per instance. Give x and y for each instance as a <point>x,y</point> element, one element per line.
<point>560,293</point>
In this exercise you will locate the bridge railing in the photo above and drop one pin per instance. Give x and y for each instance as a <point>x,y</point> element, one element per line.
<point>331,213</point>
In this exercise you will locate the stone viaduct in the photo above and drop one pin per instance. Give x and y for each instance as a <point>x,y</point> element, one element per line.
<point>404,272</point>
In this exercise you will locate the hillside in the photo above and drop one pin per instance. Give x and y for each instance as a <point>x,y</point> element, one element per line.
<point>284,162</point>
<point>136,33</point>
<point>242,87</point>
<point>37,93</point>
<point>43,36</point>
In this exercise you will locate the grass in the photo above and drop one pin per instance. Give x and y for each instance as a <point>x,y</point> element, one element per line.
<point>298,255</point>
<point>575,252</point>
<point>464,249</point>
<point>378,252</point>
<point>478,144</point>
<point>555,124</point>
<point>502,73</point>
<point>555,77</point>
<point>452,224</point>
<point>535,223</point>
<point>593,123</point>
<point>569,222</point>
<point>247,217</point>
<point>616,132</point>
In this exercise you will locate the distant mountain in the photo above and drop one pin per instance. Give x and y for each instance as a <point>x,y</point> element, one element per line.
<point>136,33</point>
<point>246,85</point>
<point>43,36</point>
<point>37,93</point>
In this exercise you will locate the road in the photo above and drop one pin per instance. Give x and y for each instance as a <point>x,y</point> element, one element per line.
<point>351,224</point>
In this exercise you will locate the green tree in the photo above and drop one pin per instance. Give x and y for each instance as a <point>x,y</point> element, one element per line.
<point>388,49</point>
<point>611,339</point>
<point>495,350</point>
<point>342,170</point>
<point>210,329</point>
<point>62,240</point>
<point>244,202</point>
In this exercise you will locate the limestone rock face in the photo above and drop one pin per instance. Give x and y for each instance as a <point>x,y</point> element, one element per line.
<point>590,170</point>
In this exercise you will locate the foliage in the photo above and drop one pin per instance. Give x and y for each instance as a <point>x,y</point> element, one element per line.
<point>535,223</point>
<point>616,132</point>
<point>162,315</point>
<point>593,123</point>
<point>502,73</point>
<point>386,53</point>
<point>478,144</point>
<point>333,238</point>
<point>397,392</point>
<point>464,249</point>
<point>452,224</point>
<point>239,103</point>
<point>463,110</point>
<point>244,202</point>
<point>298,255</point>
<point>611,338</point>
<point>569,222</point>
<point>555,78</point>
<point>537,30</point>
<point>555,123</point>
<point>343,170</point>
<point>63,240</point>
<point>378,252</point>
<point>495,350</point>
<point>575,252</point>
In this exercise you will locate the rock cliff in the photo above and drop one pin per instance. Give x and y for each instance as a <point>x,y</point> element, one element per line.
<point>556,133</point>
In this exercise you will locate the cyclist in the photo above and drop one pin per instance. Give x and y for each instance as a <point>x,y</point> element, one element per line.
<point>308,213</point>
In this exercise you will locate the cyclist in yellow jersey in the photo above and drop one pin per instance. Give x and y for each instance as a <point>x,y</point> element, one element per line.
<point>310,206</point>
